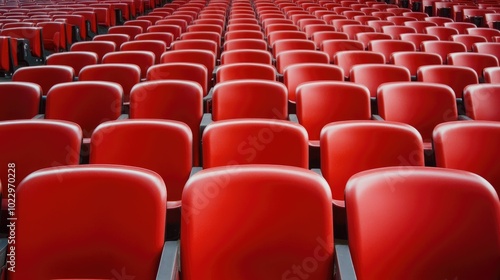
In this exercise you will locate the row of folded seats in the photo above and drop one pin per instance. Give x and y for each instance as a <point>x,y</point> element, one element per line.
<point>170,140</point>
<point>213,143</point>
<point>299,25</point>
<point>90,103</point>
<point>253,221</point>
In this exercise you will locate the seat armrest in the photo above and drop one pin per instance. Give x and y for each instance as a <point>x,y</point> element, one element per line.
<point>123,117</point>
<point>377,118</point>
<point>279,77</point>
<point>207,100</point>
<point>169,263</point>
<point>344,268</point>
<point>317,171</point>
<point>195,170</point>
<point>205,121</point>
<point>464,118</point>
<point>293,118</point>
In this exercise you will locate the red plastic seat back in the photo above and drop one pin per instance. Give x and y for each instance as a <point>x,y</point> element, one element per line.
<point>246,56</point>
<point>255,141</point>
<point>145,140</point>
<point>75,60</point>
<point>155,46</point>
<point>287,58</point>
<point>46,76</point>
<point>165,37</point>
<point>239,71</point>
<point>54,34</point>
<point>421,105</point>
<point>203,57</point>
<point>32,34</point>
<point>19,100</point>
<point>460,26</point>
<point>415,209</point>
<point>396,30</point>
<point>468,40</point>
<point>37,144</point>
<point>143,59</point>
<point>99,47</point>
<point>447,75</point>
<point>129,30</point>
<point>86,103</point>
<point>482,101</point>
<point>420,26</point>
<point>347,59</point>
<point>443,33</point>
<point>318,37</point>
<point>390,144</point>
<point>297,74</point>
<point>72,248</point>
<point>126,75</point>
<point>179,71</point>
<point>175,30</point>
<point>476,61</point>
<point>488,33</point>
<point>367,37</point>
<point>172,100</point>
<point>388,47</point>
<point>249,99</point>
<point>413,60</point>
<point>492,75</point>
<point>470,146</point>
<point>417,39</point>
<point>281,35</point>
<point>323,102</point>
<point>443,48</point>
<point>144,24</point>
<point>374,75</point>
<point>196,44</point>
<point>236,44</point>
<point>204,35</point>
<point>488,48</point>
<point>118,39</point>
<point>292,44</point>
<point>293,235</point>
<point>7,58</point>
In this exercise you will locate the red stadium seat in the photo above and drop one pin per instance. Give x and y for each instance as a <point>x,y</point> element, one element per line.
<point>476,61</point>
<point>401,204</point>
<point>249,99</point>
<point>86,103</point>
<point>143,59</point>
<point>481,102</point>
<point>241,71</point>
<point>126,75</point>
<point>280,223</point>
<point>75,60</point>
<point>277,142</point>
<point>19,100</point>
<point>413,60</point>
<point>44,75</point>
<point>99,47</point>
<point>347,59</point>
<point>323,102</point>
<point>469,146</point>
<point>135,193</point>
<point>421,105</point>
<point>170,100</point>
